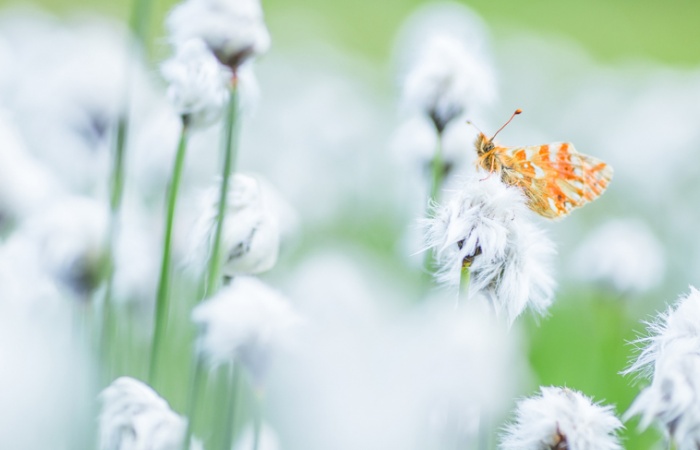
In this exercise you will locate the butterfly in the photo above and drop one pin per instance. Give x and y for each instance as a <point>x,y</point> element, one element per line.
<point>555,178</point>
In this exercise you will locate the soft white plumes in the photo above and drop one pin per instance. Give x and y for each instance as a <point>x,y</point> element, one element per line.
<point>561,416</point>
<point>234,30</point>
<point>489,224</point>
<point>672,357</point>
<point>672,396</point>
<point>70,236</point>
<point>681,322</point>
<point>25,184</point>
<point>447,81</point>
<point>245,321</point>
<point>135,417</point>
<point>622,253</point>
<point>251,234</point>
<point>267,439</point>
<point>197,83</point>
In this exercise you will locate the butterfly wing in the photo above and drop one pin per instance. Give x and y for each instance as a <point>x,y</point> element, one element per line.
<point>555,177</point>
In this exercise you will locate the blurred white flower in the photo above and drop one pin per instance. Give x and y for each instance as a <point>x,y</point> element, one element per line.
<point>447,81</point>
<point>267,439</point>
<point>244,322</point>
<point>672,397</point>
<point>70,235</point>
<point>234,30</point>
<point>671,357</point>
<point>487,226</point>
<point>561,418</point>
<point>677,323</point>
<point>25,183</point>
<point>197,83</point>
<point>135,417</point>
<point>624,254</point>
<point>415,142</point>
<point>47,379</point>
<point>68,118</point>
<point>251,234</point>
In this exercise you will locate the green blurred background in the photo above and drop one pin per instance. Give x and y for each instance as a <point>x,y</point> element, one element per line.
<point>610,29</point>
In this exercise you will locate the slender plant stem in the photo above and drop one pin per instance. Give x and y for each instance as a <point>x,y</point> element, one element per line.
<point>464,277</point>
<point>230,148</point>
<point>140,20</point>
<point>437,173</point>
<point>115,202</point>
<point>192,397</point>
<point>162,299</point>
<point>484,432</point>
<point>231,400</point>
<point>257,419</point>
<point>438,170</point>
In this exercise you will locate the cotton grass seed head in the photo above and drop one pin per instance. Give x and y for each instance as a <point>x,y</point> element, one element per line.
<point>234,30</point>
<point>447,80</point>
<point>561,418</point>
<point>251,232</point>
<point>670,356</point>
<point>245,322</point>
<point>487,227</point>
<point>135,417</point>
<point>679,322</point>
<point>671,399</point>
<point>623,254</point>
<point>197,83</point>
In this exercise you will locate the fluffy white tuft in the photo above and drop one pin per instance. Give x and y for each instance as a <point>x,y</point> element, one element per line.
<point>198,83</point>
<point>135,417</point>
<point>251,231</point>
<point>245,321</point>
<point>234,30</point>
<point>562,418</point>
<point>624,254</point>
<point>489,223</point>
<point>447,80</point>
<point>671,357</point>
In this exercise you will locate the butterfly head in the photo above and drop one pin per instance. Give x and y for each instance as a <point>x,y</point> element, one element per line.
<point>485,144</point>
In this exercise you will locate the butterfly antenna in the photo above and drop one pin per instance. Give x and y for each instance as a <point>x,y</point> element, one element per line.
<point>517,111</point>
<point>469,122</point>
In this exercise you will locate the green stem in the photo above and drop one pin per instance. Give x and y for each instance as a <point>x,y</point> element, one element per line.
<point>162,299</point>
<point>484,432</point>
<point>230,150</point>
<point>230,412</point>
<point>437,171</point>
<point>193,396</point>
<point>140,20</point>
<point>464,278</point>
<point>257,421</point>
<point>115,202</point>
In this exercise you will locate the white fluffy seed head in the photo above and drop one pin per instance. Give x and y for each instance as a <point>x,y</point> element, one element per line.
<point>488,226</point>
<point>251,230</point>
<point>623,254</point>
<point>245,322</point>
<point>562,418</point>
<point>447,81</point>
<point>671,397</point>
<point>670,356</point>
<point>679,322</point>
<point>234,30</point>
<point>197,83</point>
<point>135,417</point>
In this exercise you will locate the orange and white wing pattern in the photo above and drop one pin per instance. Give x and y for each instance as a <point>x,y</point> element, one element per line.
<point>555,177</point>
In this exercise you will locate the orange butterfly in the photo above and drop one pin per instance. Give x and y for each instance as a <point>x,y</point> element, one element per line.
<point>554,177</point>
